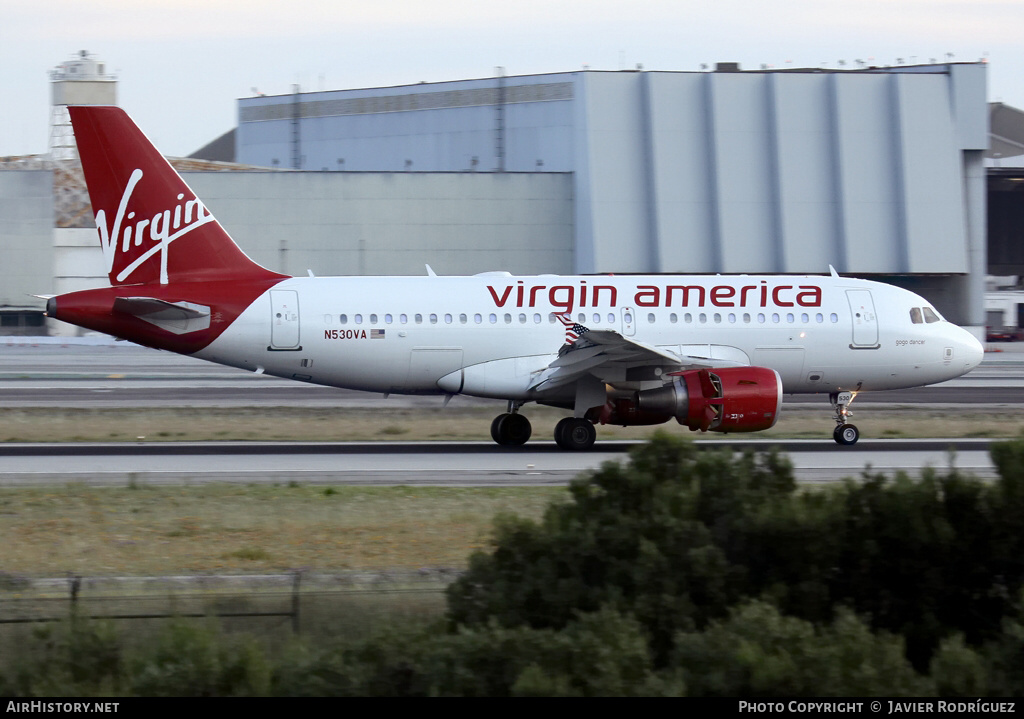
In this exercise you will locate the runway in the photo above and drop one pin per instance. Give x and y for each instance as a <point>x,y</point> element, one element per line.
<point>37,374</point>
<point>48,373</point>
<point>459,464</point>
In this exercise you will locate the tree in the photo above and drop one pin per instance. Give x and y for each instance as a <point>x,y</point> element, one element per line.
<point>680,535</point>
<point>644,540</point>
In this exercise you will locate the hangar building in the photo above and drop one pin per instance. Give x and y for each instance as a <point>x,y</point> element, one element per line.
<point>877,171</point>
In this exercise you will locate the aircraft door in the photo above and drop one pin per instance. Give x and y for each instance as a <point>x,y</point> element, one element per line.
<point>865,323</point>
<point>284,320</point>
<point>628,321</point>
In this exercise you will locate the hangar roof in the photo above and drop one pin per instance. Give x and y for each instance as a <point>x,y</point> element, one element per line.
<point>1006,131</point>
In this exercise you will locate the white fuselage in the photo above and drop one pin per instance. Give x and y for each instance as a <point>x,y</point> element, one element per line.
<point>489,335</point>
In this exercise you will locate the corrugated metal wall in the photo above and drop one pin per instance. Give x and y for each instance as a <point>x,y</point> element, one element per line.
<point>773,172</point>
<point>436,127</point>
<point>393,223</point>
<point>689,172</point>
<point>26,237</point>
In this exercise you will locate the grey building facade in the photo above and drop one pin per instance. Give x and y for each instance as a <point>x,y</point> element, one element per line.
<point>876,171</point>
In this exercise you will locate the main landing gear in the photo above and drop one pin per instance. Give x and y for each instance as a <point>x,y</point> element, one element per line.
<point>575,433</point>
<point>512,429</point>
<point>844,433</point>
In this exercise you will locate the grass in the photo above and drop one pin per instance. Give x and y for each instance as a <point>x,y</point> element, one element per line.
<point>219,528</point>
<point>146,530</point>
<point>456,424</point>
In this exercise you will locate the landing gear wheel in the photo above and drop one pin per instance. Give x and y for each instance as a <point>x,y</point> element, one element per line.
<point>846,434</point>
<point>496,426</point>
<point>511,430</point>
<point>575,434</point>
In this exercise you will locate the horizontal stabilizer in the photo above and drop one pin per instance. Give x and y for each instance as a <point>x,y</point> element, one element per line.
<point>177,317</point>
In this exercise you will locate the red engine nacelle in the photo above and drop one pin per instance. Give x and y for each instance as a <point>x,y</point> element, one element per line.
<point>732,399</point>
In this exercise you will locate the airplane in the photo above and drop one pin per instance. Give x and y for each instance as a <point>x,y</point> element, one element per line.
<point>713,352</point>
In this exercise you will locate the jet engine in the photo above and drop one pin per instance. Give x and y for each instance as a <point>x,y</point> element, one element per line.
<point>732,399</point>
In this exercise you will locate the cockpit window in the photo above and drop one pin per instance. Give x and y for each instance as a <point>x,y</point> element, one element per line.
<point>931,316</point>
<point>915,315</point>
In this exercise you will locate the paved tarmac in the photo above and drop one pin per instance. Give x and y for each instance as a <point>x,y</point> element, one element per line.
<point>47,374</point>
<point>431,463</point>
<point>38,374</point>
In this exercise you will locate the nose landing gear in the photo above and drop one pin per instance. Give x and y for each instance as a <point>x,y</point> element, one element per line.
<point>844,433</point>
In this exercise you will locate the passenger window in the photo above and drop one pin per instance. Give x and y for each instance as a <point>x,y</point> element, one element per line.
<point>536,318</point>
<point>930,315</point>
<point>611,318</point>
<point>478,318</point>
<point>805,318</point>
<point>673,318</point>
<point>493,318</point>
<point>760,317</point>
<point>522,319</point>
<point>650,318</point>
<point>833,317</point>
<point>732,318</point>
<point>582,318</point>
<point>718,318</point>
<point>344,319</point>
<point>790,318</point>
<point>746,318</point>
<point>508,318</point>
<point>359,319</point>
<point>419,319</point>
<point>688,318</point>
<point>403,318</point>
<point>388,318</point>
<point>915,315</point>
<point>597,319</point>
<point>819,318</point>
<point>433,318</point>
<point>775,317</point>
<point>463,318</point>
<point>447,319</point>
<point>373,319</point>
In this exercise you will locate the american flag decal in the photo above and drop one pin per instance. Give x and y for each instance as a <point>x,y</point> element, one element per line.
<point>376,334</point>
<point>573,330</point>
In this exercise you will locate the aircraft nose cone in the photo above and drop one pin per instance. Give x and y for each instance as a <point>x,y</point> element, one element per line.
<point>971,351</point>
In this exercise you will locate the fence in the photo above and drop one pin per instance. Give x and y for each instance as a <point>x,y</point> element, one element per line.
<point>303,600</point>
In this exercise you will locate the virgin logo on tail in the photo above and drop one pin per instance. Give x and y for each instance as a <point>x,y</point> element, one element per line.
<point>142,205</point>
<point>164,227</point>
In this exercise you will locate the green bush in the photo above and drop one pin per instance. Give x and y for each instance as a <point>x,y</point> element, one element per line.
<point>758,652</point>
<point>680,535</point>
<point>644,540</point>
<point>196,660</point>
<point>79,657</point>
<point>686,571</point>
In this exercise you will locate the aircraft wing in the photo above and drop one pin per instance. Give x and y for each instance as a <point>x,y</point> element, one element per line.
<point>607,355</point>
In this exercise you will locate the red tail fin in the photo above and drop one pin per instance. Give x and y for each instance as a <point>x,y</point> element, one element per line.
<point>143,207</point>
